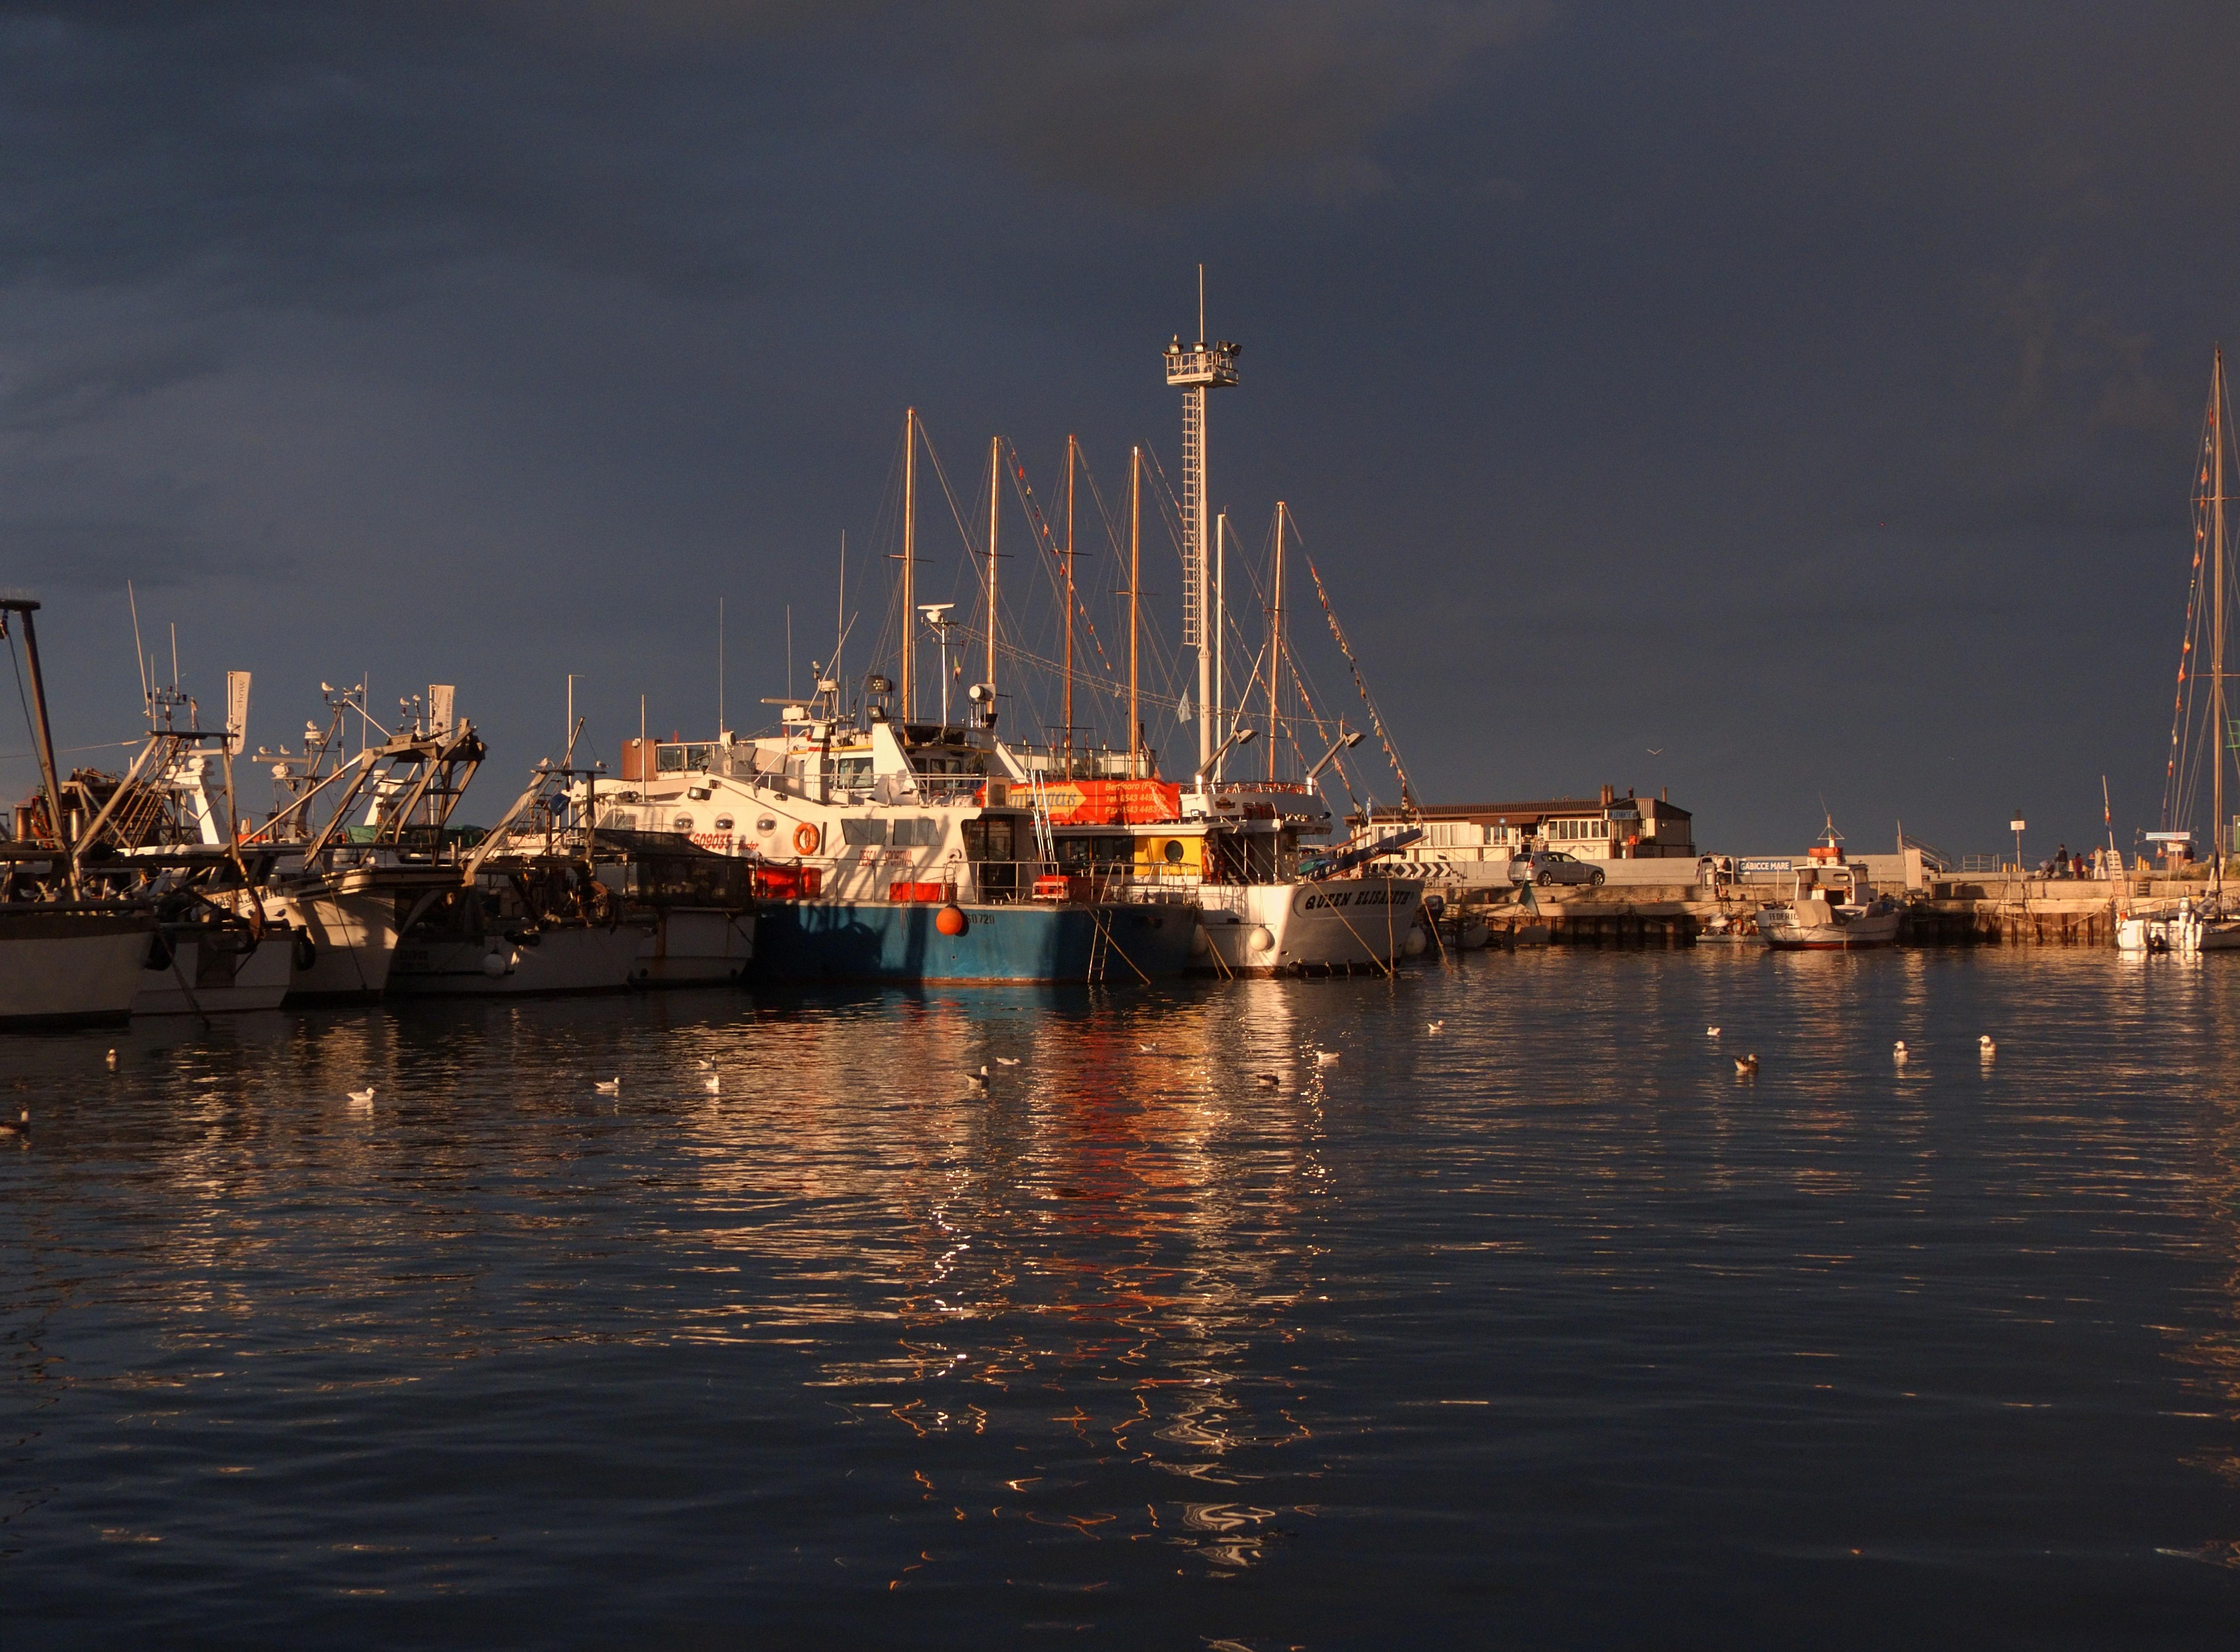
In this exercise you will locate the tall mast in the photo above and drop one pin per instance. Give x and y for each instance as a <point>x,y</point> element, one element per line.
<point>1134,585</point>
<point>1070,447</point>
<point>910,560</point>
<point>2216,626</point>
<point>43,734</point>
<point>1194,370</point>
<point>995,478</point>
<point>1217,712</point>
<point>1275,636</point>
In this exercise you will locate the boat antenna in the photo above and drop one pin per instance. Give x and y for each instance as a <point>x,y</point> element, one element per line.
<point>719,667</point>
<point>839,618</point>
<point>140,653</point>
<point>175,657</point>
<point>789,650</point>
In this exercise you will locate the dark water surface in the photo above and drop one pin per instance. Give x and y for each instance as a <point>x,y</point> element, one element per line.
<point>1545,1330</point>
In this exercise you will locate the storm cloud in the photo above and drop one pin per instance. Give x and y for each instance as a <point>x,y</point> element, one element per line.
<point>1807,393</point>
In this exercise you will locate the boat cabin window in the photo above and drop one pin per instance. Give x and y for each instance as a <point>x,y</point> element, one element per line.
<point>990,838</point>
<point>1104,852</point>
<point>918,832</point>
<point>853,773</point>
<point>682,823</point>
<point>863,834</point>
<point>685,759</point>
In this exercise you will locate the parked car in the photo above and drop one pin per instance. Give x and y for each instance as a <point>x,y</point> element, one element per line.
<point>1552,866</point>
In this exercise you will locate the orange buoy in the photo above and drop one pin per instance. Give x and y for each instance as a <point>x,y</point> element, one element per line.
<point>950,920</point>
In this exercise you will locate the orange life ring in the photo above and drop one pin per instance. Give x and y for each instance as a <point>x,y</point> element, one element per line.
<point>807,840</point>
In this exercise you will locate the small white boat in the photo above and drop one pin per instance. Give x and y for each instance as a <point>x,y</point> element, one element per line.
<point>1833,907</point>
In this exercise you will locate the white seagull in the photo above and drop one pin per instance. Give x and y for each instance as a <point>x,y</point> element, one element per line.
<point>1986,1047</point>
<point>979,1080</point>
<point>1007,1061</point>
<point>362,1098</point>
<point>1434,1026</point>
<point>1710,1032</point>
<point>713,1083</point>
<point>1747,1066</point>
<point>111,1059</point>
<point>607,1086</point>
<point>1897,1052</point>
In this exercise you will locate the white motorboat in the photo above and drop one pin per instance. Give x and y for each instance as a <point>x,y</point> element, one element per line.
<point>1833,907</point>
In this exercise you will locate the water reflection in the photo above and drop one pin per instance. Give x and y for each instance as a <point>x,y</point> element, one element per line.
<point>1129,1322</point>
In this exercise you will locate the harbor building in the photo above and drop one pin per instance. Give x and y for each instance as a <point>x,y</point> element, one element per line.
<point>1610,826</point>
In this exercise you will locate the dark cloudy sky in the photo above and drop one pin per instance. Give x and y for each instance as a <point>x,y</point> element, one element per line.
<point>1808,391</point>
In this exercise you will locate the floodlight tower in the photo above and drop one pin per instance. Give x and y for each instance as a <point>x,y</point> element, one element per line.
<point>1195,369</point>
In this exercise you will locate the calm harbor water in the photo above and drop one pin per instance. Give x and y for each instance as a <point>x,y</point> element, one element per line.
<point>1544,1330</point>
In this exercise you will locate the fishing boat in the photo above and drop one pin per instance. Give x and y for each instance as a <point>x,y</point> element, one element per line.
<point>1832,906</point>
<point>362,845</point>
<point>70,954</point>
<point>1237,845</point>
<point>891,851</point>
<point>2201,747</point>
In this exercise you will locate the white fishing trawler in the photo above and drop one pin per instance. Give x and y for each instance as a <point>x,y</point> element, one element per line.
<point>1236,846</point>
<point>70,952</point>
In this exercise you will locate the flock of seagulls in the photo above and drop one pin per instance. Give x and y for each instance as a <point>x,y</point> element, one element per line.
<point>712,1082</point>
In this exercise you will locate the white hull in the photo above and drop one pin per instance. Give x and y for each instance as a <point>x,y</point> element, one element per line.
<point>552,961</point>
<point>2184,930</point>
<point>59,968</point>
<point>343,943</point>
<point>221,984</point>
<point>1305,928</point>
<point>690,949</point>
<point>1778,927</point>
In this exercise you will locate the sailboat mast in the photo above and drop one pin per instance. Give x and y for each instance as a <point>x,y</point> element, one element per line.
<point>1067,712</point>
<point>910,561</point>
<point>42,736</point>
<point>1135,583</point>
<point>1275,636</point>
<point>1218,711</point>
<point>995,480</point>
<point>2217,625</point>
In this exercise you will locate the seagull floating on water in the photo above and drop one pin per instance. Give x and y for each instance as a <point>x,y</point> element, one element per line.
<point>21,1125</point>
<point>361,1097</point>
<point>1007,1061</point>
<point>609,1086</point>
<point>111,1059</point>
<point>1747,1066</point>
<point>713,1083</point>
<point>1897,1052</point>
<point>1434,1026</point>
<point>1710,1032</point>
<point>1149,1050</point>
<point>1988,1048</point>
<point>979,1080</point>
<point>1267,1080</point>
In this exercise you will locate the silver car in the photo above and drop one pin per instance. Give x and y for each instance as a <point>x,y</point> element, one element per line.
<point>1552,866</point>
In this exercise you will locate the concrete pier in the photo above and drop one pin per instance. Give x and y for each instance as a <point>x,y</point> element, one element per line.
<point>1956,909</point>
